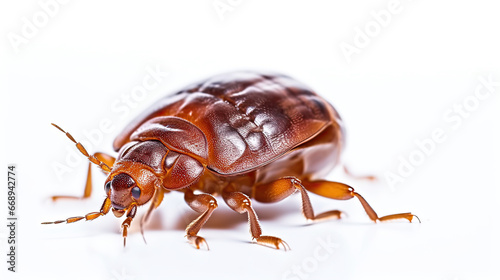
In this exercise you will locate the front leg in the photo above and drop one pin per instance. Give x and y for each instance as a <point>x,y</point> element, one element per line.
<point>204,204</point>
<point>155,202</point>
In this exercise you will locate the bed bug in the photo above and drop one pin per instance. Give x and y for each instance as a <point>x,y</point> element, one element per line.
<point>241,136</point>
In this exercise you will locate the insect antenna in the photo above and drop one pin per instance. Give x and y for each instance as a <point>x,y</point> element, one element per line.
<point>90,216</point>
<point>82,150</point>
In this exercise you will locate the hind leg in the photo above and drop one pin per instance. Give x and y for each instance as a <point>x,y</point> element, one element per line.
<point>284,187</point>
<point>348,172</point>
<point>340,191</point>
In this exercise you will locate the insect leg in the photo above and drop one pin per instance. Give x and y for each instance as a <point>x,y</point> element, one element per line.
<point>348,172</point>
<point>340,191</point>
<point>241,203</point>
<point>126,224</point>
<point>283,188</point>
<point>204,204</point>
<point>107,159</point>
<point>155,202</point>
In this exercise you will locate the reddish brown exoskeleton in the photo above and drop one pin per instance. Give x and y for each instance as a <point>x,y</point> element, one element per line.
<point>241,135</point>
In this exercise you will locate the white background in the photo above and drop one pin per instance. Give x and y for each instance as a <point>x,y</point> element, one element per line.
<point>395,90</point>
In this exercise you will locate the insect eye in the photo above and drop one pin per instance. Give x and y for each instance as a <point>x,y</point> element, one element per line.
<point>107,187</point>
<point>136,192</point>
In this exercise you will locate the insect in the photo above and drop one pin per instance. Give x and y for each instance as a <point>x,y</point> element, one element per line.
<point>242,136</point>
